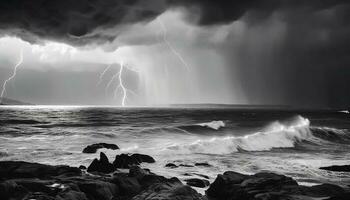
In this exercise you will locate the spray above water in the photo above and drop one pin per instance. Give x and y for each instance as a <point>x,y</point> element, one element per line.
<point>3,91</point>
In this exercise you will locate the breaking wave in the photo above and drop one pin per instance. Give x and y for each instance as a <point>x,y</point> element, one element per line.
<point>203,127</point>
<point>276,135</point>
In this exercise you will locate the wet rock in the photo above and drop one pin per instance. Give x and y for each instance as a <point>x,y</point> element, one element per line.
<point>11,190</point>
<point>101,165</point>
<point>20,169</point>
<point>128,186</point>
<point>143,158</point>
<point>98,190</point>
<point>173,189</point>
<point>125,161</point>
<point>232,185</point>
<point>337,168</point>
<point>94,147</point>
<point>185,165</point>
<point>196,182</point>
<point>204,164</point>
<point>136,171</point>
<point>171,165</point>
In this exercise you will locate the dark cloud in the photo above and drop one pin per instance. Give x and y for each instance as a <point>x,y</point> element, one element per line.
<point>81,22</point>
<point>73,21</point>
<point>213,12</point>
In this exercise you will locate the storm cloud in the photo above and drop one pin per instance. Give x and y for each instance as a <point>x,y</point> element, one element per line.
<point>293,52</point>
<point>81,22</point>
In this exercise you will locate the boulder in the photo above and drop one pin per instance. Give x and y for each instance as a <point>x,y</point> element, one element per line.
<point>171,165</point>
<point>173,189</point>
<point>337,168</point>
<point>98,190</point>
<point>20,169</point>
<point>185,165</point>
<point>125,161</point>
<point>204,164</point>
<point>143,158</point>
<point>94,147</point>
<point>235,186</point>
<point>196,182</point>
<point>103,165</point>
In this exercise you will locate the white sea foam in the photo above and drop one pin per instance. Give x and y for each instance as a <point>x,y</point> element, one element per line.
<point>213,124</point>
<point>276,135</point>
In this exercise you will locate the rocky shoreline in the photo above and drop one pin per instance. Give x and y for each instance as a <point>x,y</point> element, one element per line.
<point>124,179</point>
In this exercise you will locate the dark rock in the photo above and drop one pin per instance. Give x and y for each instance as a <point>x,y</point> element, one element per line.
<point>20,169</point>
<point>136,171</point>
<point>71,195</point>
<point>202,164</point>
<point>125,161</point>
<point>235,186</point>
<point>94,147</point>
<point>227,185</point>
<point>143,158</point>
<point>171,165</point>
<point>201,183</point>
<point>101,165</point>
<point>128,186</point>
<point>185,165</point>
<point>82,167</point>
<point>341,196</point>
<point>98,190</point>
<point>173,189</point>
<point>11,190</point>
<point>337,168</point>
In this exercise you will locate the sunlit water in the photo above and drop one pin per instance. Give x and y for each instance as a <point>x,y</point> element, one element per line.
<point>247,141</point>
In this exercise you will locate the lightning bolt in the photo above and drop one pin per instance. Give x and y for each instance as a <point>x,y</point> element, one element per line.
<point>103,73</point>
<point>121,87</point>
<point>170,46</point>
<point>20,61</point>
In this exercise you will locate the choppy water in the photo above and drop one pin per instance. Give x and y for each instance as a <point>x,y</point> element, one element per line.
<point>247,141</point>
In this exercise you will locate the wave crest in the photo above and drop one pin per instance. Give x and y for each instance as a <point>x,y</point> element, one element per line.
<point>277,135</point>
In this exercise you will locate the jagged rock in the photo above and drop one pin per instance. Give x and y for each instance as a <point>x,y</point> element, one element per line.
<point>125,161</point>
<point>337,168</point>
<point>171,165</point>
<point>94,147</point>
<point>196,182</point>
<point>103,165</point>
<point>20,169</point>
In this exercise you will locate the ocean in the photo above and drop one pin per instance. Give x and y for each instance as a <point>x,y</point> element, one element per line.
<point>293,143</point>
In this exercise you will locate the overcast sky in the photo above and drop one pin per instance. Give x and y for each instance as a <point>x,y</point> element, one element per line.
<point>275,52</point>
